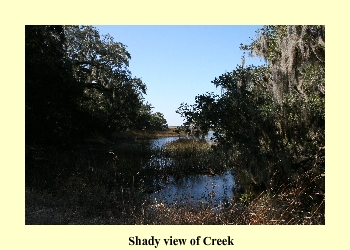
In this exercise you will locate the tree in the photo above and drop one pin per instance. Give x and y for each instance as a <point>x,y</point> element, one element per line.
<point>78,83</point>
<point>158,122</point>
<point>50,86</point>
<point>296,61</point>
<point>149,121</point>
<point>269,117</point>
<point>100,65</point>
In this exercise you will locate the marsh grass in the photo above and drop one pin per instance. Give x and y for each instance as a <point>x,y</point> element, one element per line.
<point>139,134</point>
<point>88,184</point>
<point>291,203</point>
<point>193,157</point>
<point>83,183</point>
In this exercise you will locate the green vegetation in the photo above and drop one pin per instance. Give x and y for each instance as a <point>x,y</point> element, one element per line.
<point>88,160</point>
<point>81,100</point>
<point>102,184</point>
<point>193,157</point>
<point>269,120</point>
<point>109,184</point>
<point>85,184</point>
<point>285,206</point>
<point>78,85</point>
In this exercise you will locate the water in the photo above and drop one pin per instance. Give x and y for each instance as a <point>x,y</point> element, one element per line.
<point>214,191</point>
<point>160,142</point>
<point>199,190</point>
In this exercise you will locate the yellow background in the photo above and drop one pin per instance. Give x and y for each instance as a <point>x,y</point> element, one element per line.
<point>15,15</point>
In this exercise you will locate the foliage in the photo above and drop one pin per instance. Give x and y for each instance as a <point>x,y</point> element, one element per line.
<point>78,85</point>
<point>79,89</point>
<point>295,203</point>
<point>51,89</point>
<point>190,156</point>
<point>110,93</point>
<point>93,186</point>
<point>83,183</point>
<point>272,117</point>
<point>149,121</point>
<point>269,125</point>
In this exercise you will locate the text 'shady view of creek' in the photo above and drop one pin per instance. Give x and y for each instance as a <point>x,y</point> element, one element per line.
<point>97,151</point>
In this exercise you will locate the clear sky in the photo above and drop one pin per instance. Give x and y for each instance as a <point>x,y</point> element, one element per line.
<point>179,62</point>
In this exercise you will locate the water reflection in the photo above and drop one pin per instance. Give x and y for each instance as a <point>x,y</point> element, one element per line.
<point>203,190</point>
<point>160,142</point>
<point>213,191</point>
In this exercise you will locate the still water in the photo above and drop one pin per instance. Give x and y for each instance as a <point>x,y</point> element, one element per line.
<point>159,142</point>
<point>199,190</point>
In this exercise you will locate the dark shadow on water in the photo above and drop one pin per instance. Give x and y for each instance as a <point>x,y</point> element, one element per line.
<point>197,190</point>
<point>87,181</point>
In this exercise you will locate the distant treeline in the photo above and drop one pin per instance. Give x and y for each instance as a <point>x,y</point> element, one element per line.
<point>78,84</point>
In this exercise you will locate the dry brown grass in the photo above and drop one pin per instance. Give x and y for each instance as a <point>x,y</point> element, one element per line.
<point>297,202</point>
<point>290,205</point>
<point>137,134</point>
<point>94,192</point>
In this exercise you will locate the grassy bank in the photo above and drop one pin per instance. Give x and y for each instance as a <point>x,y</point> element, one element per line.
<point>80,183</point>
<point>109,184</point>
<point>285,206</point>
<point>137,134</point>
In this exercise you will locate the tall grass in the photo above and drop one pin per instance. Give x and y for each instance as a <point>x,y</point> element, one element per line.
<point>193,157</point>
<point>84,183</point>
<point>90,185</point>
<point>291,203</point>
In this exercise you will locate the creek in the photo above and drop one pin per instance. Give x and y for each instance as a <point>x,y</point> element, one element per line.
<point>209,190</point>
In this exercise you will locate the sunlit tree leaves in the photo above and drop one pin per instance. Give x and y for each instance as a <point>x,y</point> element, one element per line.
<point>269,117</point>
<point>111,93</point>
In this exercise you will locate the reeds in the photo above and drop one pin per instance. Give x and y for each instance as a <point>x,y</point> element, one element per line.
<point>193,157</point>
<point>298,202</point>
<point>90,185</point>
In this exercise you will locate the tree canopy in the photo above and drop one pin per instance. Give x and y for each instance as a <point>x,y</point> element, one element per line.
<point>78,83</point>
<point>269,117</point>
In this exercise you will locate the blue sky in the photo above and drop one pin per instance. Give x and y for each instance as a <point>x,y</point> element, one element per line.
<point>179,62</point>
